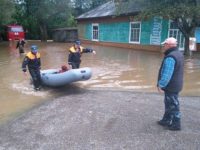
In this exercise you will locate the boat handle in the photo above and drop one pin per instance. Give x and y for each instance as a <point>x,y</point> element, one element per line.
<point>83,71</point>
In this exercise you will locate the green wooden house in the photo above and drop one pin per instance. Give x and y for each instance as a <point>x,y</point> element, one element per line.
<point>114,25</point>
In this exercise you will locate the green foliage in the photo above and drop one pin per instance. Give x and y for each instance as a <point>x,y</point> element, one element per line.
<point>71,21</point>
<point>171,9</point>
<point>38,17</point>
<point>7,8</point>
<point>81,6</point>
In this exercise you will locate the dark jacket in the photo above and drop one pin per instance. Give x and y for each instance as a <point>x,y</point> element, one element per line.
<point>75,56</point>
<point>176,82</point>
<point>33,61</point>
<point>20,43</point>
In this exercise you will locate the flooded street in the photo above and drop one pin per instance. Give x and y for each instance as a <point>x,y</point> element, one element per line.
<point>113,68</point>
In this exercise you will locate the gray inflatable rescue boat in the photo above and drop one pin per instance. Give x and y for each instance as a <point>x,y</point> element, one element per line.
<point>52,77</point>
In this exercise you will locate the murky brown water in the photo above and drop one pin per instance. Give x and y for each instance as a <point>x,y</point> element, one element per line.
<point>115,68</point>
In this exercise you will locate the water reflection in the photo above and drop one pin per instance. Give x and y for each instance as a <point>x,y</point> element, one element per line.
<point>113,68</point>
<point>124,69</point>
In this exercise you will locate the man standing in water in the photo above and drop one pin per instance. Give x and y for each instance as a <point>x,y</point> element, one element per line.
<point>20,45</point>
<point>75,52</point>
<point>170,80</point>
<point>32,59</point>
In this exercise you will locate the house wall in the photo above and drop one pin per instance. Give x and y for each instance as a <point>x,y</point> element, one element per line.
<point>88,31</point>
<point>145,33</point>
<point>116,31</point>
<point>165,28</point>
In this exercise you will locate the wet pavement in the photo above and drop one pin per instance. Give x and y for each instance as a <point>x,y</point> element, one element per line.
<point>102,119</point>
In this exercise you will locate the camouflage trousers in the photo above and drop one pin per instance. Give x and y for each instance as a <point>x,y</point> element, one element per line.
<point>172,108</point>
<point>35,74</point>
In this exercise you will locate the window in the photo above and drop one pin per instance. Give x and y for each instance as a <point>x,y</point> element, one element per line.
<point>135,29</point>
<point>16,29</point>
<point>95,32</point>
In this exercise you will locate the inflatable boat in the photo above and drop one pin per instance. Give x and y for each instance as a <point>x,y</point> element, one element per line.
<point>52,77</point>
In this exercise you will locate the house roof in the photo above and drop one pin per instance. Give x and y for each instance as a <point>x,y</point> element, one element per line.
<point>111,9</point>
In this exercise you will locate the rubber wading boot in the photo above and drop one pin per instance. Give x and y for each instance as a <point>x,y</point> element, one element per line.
<point>164,123</point>
<point>176,125</point>
<point>37,89</point>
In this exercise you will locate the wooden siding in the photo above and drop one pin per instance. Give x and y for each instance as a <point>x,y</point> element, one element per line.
<point>119,31</point>
<point>165,28</point>
<point>115,32</point>
<point>145,33</point>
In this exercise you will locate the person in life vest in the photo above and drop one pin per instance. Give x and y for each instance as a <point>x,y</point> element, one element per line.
<point>75,52</point>
<point>32,60</point>
<point>20,45</point>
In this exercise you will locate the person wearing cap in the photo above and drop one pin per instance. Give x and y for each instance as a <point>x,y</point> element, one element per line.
<point>75,52</point>
<point>32,60</point>
<point>170,80</point>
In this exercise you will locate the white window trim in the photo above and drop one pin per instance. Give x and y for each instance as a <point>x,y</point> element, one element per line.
<point>177,30</point>
<point>134,42</point>
<point>95,24</point>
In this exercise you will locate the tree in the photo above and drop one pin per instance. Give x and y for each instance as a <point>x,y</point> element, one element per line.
<point>96,3</point>
<point>7,8</point>
<point>81,6</point>
<point>185,13</point>
<point>42,14</point>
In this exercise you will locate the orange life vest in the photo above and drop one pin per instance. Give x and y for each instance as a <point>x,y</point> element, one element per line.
<point>31,56</point>
<point>73,50</point>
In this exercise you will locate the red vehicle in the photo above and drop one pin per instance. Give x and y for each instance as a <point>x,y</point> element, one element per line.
<point>14,32</point>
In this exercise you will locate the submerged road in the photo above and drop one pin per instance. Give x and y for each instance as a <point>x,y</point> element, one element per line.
<point>102,120</point>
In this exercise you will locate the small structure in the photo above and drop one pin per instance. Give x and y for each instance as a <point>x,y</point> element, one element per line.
<point>65,34</point>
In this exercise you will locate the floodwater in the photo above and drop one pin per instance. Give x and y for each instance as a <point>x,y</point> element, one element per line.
<point>113,68</point>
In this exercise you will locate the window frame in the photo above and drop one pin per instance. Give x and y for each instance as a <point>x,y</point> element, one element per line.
<point>130,33</point>
<point>93,25</point>
<point>176,33</point>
